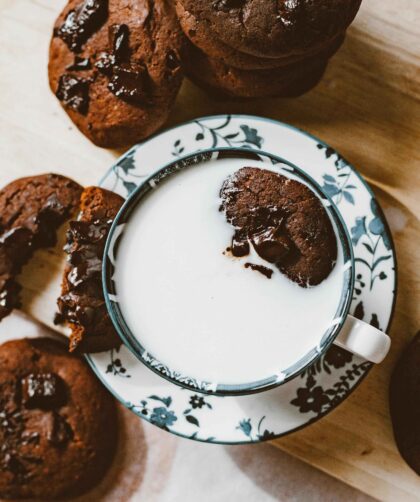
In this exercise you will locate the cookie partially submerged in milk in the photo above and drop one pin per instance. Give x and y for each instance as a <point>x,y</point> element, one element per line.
<point>283,220</point>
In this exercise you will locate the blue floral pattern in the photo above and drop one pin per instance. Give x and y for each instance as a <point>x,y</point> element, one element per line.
<point>373,236</point>
<point>124,173</point>
<point>332,378</point>
<point>338,186</point>
<point>255,433</point>
<point>210,136</point>
<point>115,365</point>
<point>163,416</point>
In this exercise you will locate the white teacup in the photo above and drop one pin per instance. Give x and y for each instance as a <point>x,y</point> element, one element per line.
<point>193,316</point>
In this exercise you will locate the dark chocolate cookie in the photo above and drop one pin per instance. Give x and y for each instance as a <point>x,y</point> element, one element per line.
<point>82,303</point>
<point>205,39</point>
<point>31,210</point>
<point>115,67</point>
<point>272,28</point>
<point>202,37</point>
<point>404,394</point>
<point>283,220</point>
<point>58,424</point>
<point>288,81</point>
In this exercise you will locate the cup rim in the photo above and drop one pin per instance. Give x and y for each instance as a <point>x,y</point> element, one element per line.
<point>134,344</point>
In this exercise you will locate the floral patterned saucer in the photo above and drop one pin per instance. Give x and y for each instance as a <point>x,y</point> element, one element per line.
<point>305,399</point>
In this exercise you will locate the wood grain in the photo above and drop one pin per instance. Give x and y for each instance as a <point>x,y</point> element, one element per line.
<point>367,107</point>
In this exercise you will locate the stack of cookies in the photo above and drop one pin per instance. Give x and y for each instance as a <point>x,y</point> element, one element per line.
<point>116,66</point>
<point>261,48</point>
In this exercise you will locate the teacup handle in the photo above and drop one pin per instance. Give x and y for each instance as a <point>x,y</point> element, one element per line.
<point>363,340</point>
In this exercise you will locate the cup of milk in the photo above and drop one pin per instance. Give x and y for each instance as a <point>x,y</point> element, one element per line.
<point>204,320</point>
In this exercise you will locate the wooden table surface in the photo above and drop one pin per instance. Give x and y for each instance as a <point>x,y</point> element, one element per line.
<point>367,107</point>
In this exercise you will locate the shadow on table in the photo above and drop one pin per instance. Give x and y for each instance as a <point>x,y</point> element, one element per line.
<point>287,478</point>
<point>125,476</point>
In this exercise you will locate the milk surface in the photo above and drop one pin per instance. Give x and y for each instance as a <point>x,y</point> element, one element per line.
<point>199,311</point>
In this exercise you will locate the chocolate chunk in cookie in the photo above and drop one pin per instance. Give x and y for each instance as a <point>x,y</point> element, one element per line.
<point>130,83</point>
<point>82,22</point>
<point>31,210</point>
<point>114,66</point>
<point>404,394</point>
<point>43,390</point>
<point>283,220</point>
<point>82,303</point>
<point>73,92</point>
<point>58,425</point>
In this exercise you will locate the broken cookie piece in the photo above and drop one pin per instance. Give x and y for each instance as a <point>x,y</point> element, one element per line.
<point>31,210</point>
<point>82,304</point>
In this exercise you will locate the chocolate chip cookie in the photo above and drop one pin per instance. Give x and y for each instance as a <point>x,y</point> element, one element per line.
<point>405,404</point>
<point>31,210</point>
<point>115,67</point>
<point>82,303</point>
<point>58,424</point>
<point>283,220</point>
<point>205,39</point>
<point>272,28</point>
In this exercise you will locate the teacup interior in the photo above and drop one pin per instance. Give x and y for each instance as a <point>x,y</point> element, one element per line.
<point>200,313</point>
